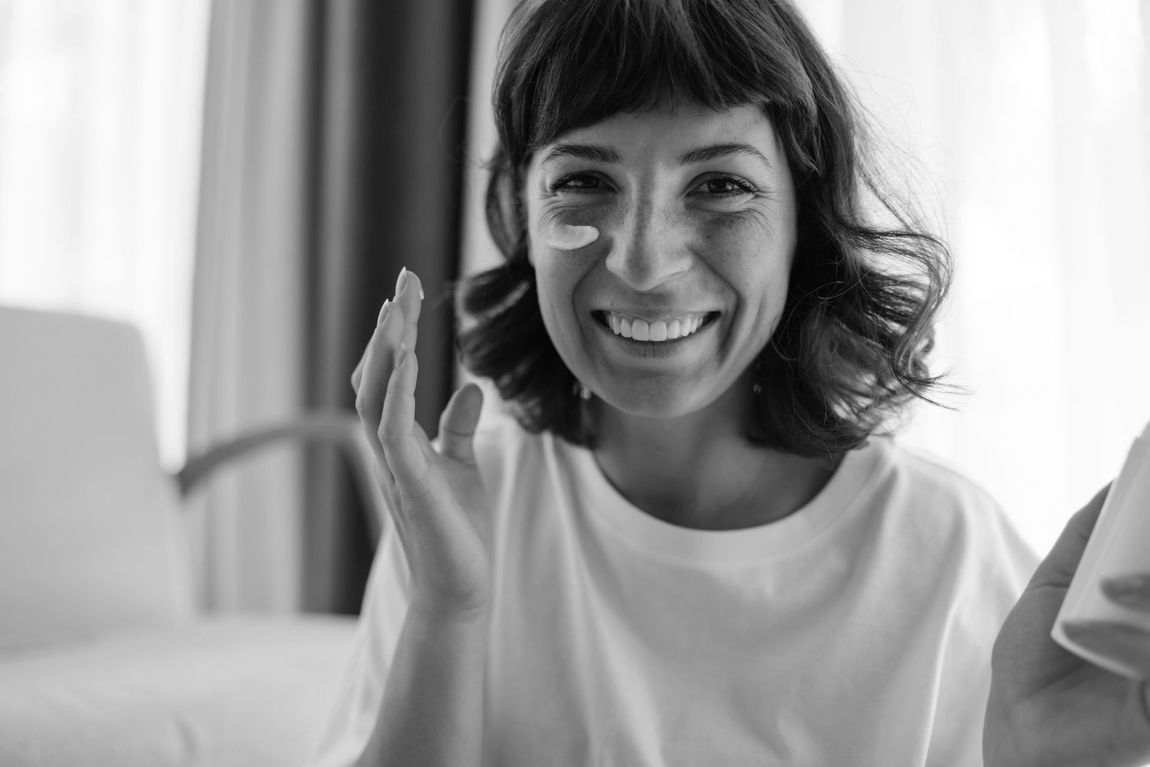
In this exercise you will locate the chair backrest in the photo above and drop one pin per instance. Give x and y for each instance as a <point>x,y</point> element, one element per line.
<point>90,539</point>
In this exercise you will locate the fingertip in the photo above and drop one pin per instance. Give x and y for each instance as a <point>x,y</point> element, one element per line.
<point>1129,591</point>
<point>474,394</point>
<point>413,298</point>
<point>467,397</point>
<point>416,284</point>
<point>458,422</point>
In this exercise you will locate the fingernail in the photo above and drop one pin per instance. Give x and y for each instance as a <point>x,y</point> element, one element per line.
<point>1135,582</point>
<point>400,281</point>
<point>1082,628</point>
<point>1130,589</point>
<point>383,312</point>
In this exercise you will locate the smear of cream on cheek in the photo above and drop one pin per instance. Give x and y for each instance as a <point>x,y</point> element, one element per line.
<point>569,236</point>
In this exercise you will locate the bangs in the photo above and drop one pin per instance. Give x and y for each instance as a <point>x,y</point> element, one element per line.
<point>575,63</point>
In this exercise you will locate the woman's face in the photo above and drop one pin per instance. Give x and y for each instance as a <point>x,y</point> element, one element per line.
<point>694,212</point>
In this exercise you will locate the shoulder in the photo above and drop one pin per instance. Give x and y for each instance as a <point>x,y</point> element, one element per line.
<point>944,514</point>
<point>928,486</point>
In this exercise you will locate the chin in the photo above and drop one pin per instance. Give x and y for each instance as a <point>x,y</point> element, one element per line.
<point>651,402</point>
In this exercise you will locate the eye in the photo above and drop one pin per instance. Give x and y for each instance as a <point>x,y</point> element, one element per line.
<point>578,183</point>
<point>725,186</point>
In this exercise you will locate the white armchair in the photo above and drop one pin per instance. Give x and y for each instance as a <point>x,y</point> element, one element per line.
<point>104,657</point>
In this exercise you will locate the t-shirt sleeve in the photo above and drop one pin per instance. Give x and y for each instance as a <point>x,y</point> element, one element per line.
<point>360,691</point>
<point>998,565</point>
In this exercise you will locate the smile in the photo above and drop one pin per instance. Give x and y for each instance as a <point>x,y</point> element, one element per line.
<point>654,331</point>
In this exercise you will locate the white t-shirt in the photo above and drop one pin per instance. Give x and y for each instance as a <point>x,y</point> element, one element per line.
<point>856,631</point>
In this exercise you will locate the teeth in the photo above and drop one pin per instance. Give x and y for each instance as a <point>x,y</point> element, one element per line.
<point>654,330</point>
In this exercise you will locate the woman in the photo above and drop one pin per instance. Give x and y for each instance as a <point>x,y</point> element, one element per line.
<point>691,545</point>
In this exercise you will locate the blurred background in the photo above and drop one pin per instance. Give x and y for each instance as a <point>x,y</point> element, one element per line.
<point>244,179</point>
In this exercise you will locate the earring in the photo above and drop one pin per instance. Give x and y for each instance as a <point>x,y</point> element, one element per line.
<point>757,388</point>
<point>581,391</point>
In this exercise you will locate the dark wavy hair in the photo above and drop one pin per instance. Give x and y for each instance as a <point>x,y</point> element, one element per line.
<point>867,279</point>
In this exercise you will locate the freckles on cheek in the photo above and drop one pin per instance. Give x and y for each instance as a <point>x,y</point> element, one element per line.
<point>737,229</point>
<point>752,256</point>
<point>747,242</point>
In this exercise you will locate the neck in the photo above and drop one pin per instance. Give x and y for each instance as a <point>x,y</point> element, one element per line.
<point>700,470</point>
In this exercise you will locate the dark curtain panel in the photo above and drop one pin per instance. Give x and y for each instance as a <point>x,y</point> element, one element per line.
<point>390,83</point>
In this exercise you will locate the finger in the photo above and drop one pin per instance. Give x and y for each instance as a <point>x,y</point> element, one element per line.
<point>376,371</point>
<point>357,374</point>
<point>1130,591</point>
<point>378,365</point>
<point>398,431</point>
<point>1127,645</point>
<point>369,426</point>
<point>409,286</point>
<point>409,296</point>
<point>458,422</point>
<point>1058,567</point>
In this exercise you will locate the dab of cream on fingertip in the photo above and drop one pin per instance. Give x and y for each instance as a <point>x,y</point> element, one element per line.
<point>570,237</point>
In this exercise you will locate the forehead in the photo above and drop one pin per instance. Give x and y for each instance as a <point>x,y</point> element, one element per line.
<point>669,130</point>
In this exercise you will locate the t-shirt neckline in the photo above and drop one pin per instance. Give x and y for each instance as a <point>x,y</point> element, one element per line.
<point>605,504</point>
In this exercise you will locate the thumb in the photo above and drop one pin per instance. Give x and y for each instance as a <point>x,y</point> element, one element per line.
<point>1060,564</point>
<point>458,422</point>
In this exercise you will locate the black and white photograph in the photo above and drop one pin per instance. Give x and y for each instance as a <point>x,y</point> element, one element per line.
<point>574,383</point>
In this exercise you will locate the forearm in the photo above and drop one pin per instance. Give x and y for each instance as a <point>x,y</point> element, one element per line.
<point>432,712</point>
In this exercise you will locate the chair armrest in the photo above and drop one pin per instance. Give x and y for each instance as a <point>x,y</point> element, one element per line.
<point>338,428</point>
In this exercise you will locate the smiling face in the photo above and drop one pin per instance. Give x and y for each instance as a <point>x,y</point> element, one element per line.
<point>662,244</point>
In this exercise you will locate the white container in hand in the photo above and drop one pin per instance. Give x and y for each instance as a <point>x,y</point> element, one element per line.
<point>1119,546</point>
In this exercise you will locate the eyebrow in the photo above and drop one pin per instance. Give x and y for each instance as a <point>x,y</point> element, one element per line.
<point>591,152</point>
<point>718,151</point>
<point>605,154</point>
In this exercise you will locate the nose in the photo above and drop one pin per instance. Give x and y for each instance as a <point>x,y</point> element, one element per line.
<point>649,249</point>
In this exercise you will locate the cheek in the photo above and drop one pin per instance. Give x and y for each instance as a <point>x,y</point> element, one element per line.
<point>749,245</point>
<point>557,277</point>
<point>752,255</point>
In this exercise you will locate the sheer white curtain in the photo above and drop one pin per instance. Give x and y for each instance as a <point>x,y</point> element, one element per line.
<point>99,159</point>
<point>1030,122</point>
<point>246,350</point>
<point>1025,128</point>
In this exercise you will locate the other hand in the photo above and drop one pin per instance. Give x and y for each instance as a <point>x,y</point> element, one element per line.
<point>1047,706</point>
<point>435,497</point>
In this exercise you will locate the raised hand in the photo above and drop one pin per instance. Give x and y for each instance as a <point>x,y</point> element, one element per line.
<point>1049,707</point>
<point>435,497</point>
